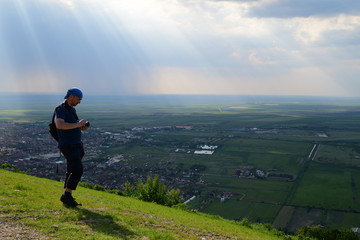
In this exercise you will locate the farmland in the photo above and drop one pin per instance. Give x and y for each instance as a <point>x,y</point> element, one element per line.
<point>286,161</point>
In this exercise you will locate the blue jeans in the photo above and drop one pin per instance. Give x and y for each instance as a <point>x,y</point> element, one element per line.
<point>74,170</point>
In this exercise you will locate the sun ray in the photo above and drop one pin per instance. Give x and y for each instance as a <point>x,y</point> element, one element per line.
<point>213,46</point>
<point>30,84</point>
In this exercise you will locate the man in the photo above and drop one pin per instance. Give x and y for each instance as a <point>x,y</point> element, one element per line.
<point>69,131</point>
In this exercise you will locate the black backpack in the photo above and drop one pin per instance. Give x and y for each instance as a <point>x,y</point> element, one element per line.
<point>52,126</point>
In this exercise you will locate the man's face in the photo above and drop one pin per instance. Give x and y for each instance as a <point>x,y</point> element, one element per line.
<point>73,100</point>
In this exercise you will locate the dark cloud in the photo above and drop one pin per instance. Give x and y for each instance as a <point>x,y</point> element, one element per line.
<point>303,8</point>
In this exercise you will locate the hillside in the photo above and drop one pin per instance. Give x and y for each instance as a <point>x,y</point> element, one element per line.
<point>30,209</point>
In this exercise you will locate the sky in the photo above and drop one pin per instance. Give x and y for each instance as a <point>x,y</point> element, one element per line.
<point>130,47</point>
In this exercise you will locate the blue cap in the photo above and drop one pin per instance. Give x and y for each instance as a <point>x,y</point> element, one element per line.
<point>75,92</point>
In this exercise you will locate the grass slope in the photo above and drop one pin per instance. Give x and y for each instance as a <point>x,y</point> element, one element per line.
<point>34,203</point>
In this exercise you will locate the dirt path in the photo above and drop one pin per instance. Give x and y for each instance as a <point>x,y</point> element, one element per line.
<point>11,231</point>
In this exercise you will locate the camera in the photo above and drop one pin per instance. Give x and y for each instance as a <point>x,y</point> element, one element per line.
<point>87,124</point>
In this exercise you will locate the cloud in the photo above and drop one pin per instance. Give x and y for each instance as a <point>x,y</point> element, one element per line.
<point>183,47</point>
<point>315,29</point>
<point>67,3</point>
<point>304,8</point>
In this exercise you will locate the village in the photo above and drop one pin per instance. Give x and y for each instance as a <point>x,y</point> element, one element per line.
<point>30,147</point>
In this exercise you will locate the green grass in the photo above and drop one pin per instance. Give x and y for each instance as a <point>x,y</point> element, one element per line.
<point>234,209</point>
<point>329,187</point>
<point>338,155</point>
<point>265,154</point>
<point>35,203</point>
<point>284,217</point>
<point>255,190</point>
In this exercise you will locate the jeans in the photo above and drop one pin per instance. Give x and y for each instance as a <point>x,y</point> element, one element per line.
<point>74,170</point>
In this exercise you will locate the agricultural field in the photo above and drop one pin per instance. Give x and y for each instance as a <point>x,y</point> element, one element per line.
<point>286,161</point>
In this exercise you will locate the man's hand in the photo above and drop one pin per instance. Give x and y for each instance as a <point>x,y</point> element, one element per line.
<point>61,124</point>
<point>84,128</point>
<point>81,123</point>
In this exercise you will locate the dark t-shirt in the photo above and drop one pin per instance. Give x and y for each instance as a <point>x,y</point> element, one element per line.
<point>71,136</point>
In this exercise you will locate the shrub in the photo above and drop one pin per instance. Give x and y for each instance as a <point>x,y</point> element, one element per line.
<point>320,233</point>
<point>245,222</point>
<point>181,206</point>
<point>129,190</point>
<point>153,191</point>
<point>8,166</point>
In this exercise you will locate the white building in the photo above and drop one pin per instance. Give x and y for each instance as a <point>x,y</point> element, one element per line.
<point>203,152</point>
<point>206,147</point>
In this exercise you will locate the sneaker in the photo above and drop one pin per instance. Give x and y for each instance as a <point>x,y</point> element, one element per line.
<point>69,201</point>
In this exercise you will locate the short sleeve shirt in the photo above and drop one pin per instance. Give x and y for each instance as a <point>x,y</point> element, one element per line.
<point>71,136</point>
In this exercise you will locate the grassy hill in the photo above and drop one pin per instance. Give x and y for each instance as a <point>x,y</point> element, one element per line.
<point>30,209</point>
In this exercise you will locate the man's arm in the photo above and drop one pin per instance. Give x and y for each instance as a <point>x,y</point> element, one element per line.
<point>62,125</point>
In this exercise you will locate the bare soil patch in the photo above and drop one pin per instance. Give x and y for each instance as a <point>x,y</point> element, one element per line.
<point>13,230</point>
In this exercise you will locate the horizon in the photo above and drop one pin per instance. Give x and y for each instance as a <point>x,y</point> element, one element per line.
<point>2,94</point>
<point>49,100</point>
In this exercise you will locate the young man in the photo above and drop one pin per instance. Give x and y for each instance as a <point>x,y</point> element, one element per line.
<point>69,129</point>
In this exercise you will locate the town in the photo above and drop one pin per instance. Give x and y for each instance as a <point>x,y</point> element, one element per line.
<point>30,147</point>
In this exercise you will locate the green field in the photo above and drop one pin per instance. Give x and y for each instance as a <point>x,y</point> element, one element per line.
<point>271,135</point>
<point>329,187</point>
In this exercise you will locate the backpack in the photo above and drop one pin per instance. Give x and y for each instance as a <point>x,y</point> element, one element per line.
<point>53,130</point>
<point>52,126</point>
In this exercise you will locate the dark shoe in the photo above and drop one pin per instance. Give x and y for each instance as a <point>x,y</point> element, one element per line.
<point>69,201</point>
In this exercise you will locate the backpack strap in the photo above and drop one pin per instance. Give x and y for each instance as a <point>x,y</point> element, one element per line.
<point>56,108</point>
<point>67,107</point>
